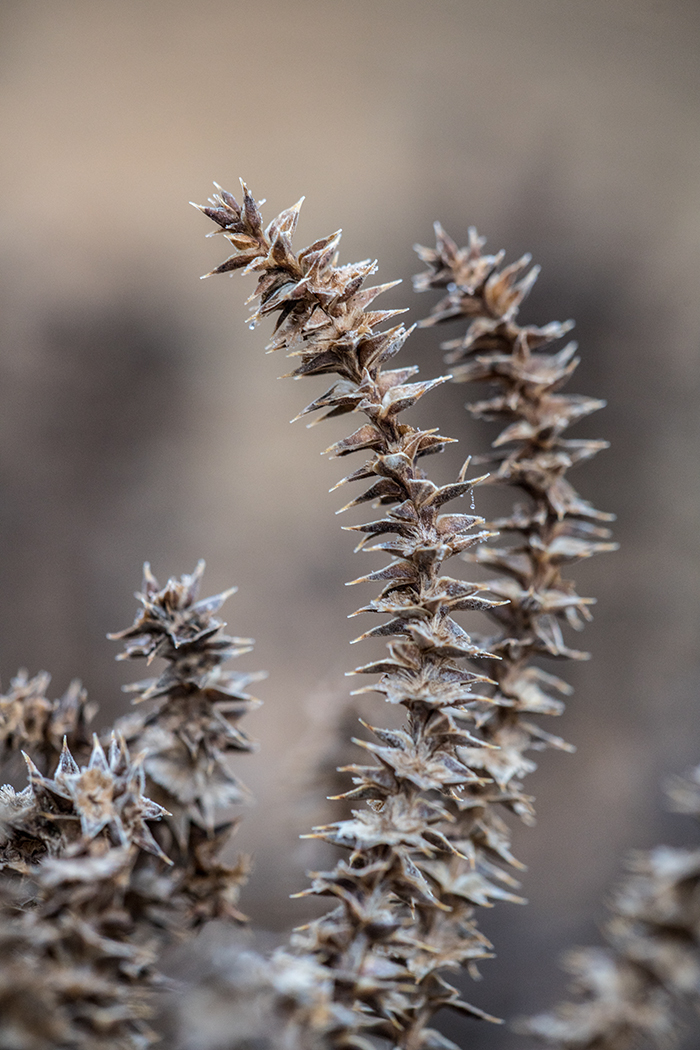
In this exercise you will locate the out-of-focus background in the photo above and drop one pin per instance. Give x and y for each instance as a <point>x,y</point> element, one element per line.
<point>140,419</point>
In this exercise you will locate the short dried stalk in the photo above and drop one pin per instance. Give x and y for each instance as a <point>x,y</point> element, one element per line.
<point>423,852</point>
<point>628,995</point>
<point>187,736</point>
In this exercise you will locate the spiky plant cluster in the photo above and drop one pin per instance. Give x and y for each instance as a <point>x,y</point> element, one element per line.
<point>30,721</point>
<point>53,814</point>
<point>189,732</point>
<point>77,970</point>
<point>89,896</point>
<point>77,965</point>
<point>554,527</point>
<point>425,849</point>
<point>628,995</point>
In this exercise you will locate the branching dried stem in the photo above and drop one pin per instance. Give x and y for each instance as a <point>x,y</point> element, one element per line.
<point>428,846</point>
<point>628,994</point>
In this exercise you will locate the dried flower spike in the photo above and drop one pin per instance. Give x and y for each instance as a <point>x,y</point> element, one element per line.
<point>555,527</point>
<point>194,722</point>
<point>421,853</point>
<point>187,736</point>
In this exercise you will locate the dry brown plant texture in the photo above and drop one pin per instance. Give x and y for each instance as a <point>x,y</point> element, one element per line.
<point>114,851</point>
<point>431,845</point>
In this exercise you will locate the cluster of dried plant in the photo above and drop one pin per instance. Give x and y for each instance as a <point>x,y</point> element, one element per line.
<point>115,848</point>
<point>89,895</point>
<point>431,845</point>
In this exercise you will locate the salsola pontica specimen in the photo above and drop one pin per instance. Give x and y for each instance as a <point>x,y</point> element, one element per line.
<point>81,934</point>
<point>631,993</point>
<point>189,732</point>
<point>555,527</point>
<point>428,846</point>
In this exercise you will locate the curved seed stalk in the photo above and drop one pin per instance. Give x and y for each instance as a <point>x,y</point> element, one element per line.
<point>427,847</point>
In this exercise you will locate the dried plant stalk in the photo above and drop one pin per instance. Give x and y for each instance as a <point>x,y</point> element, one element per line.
<point>100,896</point>
<point>555,527</point>
<point>422,853</point>
<point>628,994</point>
<point>187,737</point>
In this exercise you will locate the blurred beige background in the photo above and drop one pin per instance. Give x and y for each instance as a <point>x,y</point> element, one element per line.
<point>140,418</point>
